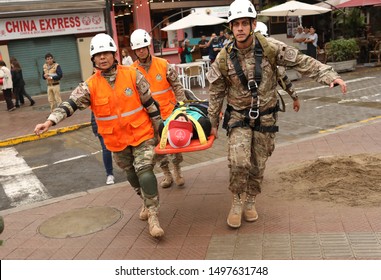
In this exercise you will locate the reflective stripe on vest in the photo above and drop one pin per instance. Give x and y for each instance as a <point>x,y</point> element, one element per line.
<point>125,114</point>
<point>161,92</point>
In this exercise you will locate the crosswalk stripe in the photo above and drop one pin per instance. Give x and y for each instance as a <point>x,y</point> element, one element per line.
<point>18,181</point>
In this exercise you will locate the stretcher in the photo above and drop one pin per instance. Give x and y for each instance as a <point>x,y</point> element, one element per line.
<point>194,146</point>
<point>202,143</point>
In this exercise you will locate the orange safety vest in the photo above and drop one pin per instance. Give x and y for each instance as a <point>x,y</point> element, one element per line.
<point>161,89</point>
<point>121,118</point>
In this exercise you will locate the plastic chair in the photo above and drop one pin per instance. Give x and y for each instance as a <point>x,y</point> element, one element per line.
<point>376,52</point>
<point>194,72</point>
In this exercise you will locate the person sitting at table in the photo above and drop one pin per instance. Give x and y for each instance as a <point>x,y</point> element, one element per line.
<point>166,89</point>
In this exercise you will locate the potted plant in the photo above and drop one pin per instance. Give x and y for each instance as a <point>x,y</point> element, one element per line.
<point>342,54</point>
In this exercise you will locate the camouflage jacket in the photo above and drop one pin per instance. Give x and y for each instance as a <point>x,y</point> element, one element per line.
<point>239,97</point>
<point>80,99</point>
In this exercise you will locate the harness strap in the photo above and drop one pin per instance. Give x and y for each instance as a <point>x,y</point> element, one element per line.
<point>257,125</point>
<point>237,67</point>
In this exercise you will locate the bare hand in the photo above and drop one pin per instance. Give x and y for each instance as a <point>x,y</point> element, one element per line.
<point>214,132</point>
<point>341,83</point>
<point>42,127</point>
<point>296,105</point>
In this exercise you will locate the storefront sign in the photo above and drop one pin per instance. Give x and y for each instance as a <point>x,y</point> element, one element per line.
<point>221,11</point>
<point>51,25</point>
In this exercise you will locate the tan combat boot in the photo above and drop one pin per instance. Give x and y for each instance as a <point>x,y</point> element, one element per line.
<point>167,180</point>
<point>235,214</point>
<point>249,212</point>
<point>153,222</point>
<point>179,179</point>
<point>143,215</point>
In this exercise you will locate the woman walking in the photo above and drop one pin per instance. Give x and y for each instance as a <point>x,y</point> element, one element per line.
<point>19,84</point>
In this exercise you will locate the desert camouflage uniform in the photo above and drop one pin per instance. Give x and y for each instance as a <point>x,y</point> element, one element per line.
<point>132,159</point>
<point>173,79</point>
<point>248,149</point>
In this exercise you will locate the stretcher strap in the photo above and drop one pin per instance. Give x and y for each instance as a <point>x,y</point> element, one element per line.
<point>200,130</point>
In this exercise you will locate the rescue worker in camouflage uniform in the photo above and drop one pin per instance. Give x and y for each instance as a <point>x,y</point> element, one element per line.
<point>283,79</point>
<point>127,117</point>
<point>166,89</point>
<point>251,114</point>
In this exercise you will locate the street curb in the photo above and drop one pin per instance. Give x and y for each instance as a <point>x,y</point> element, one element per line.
<point>32,137</point>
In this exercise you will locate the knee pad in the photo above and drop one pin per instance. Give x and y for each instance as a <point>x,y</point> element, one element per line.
<point>148,182</point>
<point>133,179</point>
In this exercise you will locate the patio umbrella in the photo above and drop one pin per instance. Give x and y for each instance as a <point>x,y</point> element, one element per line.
<point>194,19</point>
<point>358,3</point>
<point>294,8</point>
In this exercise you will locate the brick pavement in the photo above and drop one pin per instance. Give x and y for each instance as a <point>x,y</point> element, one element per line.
<point>194,217</point>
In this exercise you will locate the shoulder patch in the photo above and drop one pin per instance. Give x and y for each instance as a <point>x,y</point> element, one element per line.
<point>143,85</point>
<point>212,75</point>
<point>290,54</point>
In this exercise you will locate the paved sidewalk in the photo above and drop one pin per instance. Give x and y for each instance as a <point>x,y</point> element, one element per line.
<point>194,217</point>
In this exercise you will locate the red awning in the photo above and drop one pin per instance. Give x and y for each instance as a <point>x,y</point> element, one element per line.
<point>359,3</point>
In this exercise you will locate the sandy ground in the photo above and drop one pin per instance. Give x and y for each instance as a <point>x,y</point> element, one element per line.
<point>349,180</point>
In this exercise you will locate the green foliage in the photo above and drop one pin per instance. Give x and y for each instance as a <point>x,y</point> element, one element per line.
<point>342,50</point>
<point>350,22</point>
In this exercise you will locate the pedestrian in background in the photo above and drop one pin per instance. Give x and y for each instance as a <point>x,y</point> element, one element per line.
<point>52,73</point>
<point>251,94</point>
<point>106,154</point>
<point>203,46</point>
<point>299,38</point>
<point>166,89</point>
<point>6,85</point>
<point>311,41</point>
<point>188,51</point>
<point>19,84</point>
<point>127,118</point>
<point>126,58</point>
<point>214,47</point>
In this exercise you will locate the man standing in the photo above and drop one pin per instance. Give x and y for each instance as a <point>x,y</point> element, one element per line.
<point>52,73</point>
<point>166,89</point>
<point>127,119</point>
<point>214,47</point>
<point>245,74</point>
<point>203,45</point>
<point>299,38</point>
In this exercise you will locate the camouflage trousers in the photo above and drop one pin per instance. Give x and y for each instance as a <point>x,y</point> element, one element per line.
<point>138,162</point>
<point>248,151</point>
<point>176,159</point>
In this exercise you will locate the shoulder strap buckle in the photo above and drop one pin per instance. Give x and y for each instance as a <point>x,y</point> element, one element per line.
<point>252,85</point>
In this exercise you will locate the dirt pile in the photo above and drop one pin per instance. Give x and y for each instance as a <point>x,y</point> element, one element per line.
<point>350,180</point>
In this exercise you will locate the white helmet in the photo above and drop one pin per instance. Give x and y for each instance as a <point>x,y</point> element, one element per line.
<point>139,39</point>
<point>262,28</point>
<point>241,9</point>
<point>102,43</point>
